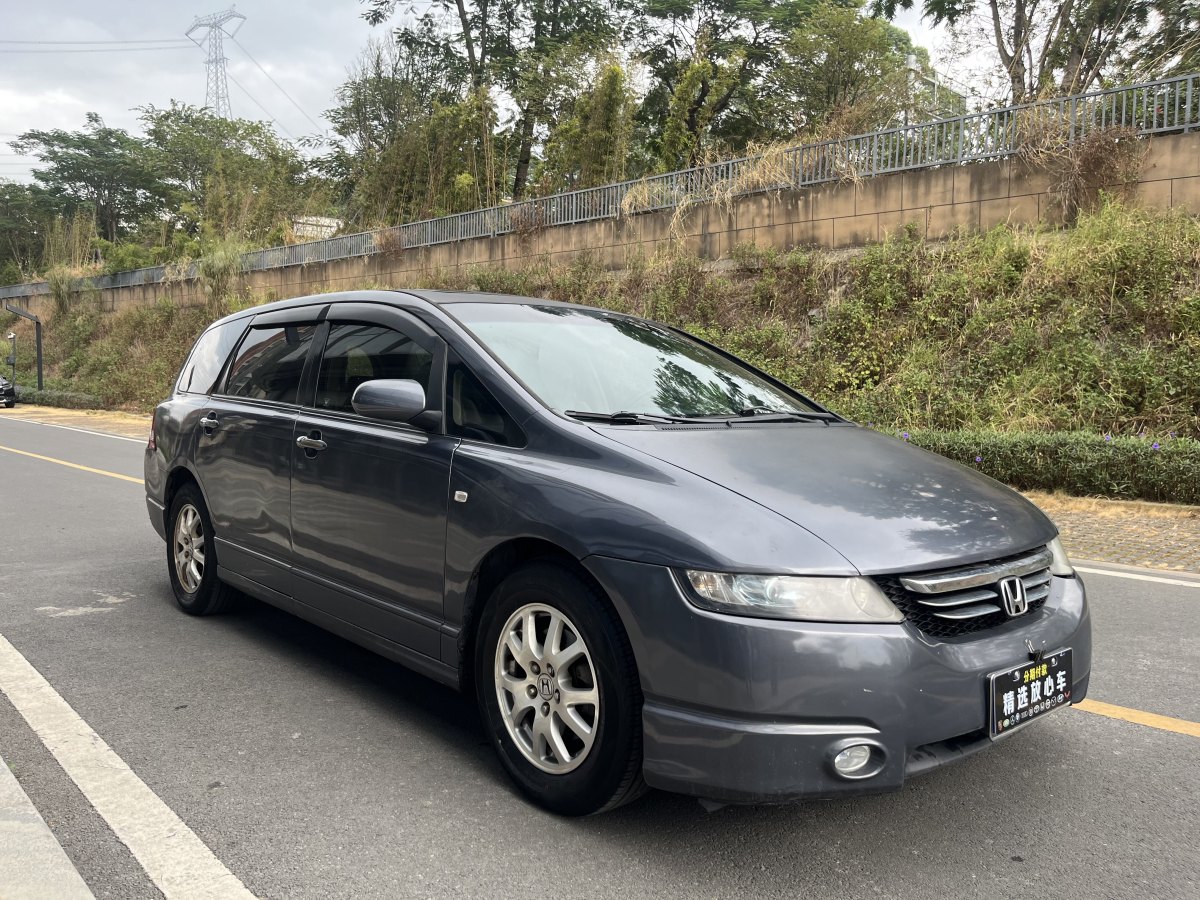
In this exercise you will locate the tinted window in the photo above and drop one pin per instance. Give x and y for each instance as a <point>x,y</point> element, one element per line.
<point>269,363</point>
<point>595,361</point>
<point>358,353</point>
<point>474,413</point>
<point>200,373</point>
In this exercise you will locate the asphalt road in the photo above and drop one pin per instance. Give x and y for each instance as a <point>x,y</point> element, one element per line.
<point>312,768</point>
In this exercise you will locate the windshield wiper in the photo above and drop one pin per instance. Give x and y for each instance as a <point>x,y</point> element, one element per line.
<point>767,414</point>
<point>624,417</point>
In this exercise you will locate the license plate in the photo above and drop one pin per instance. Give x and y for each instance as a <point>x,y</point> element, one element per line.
<point>1028,691</point>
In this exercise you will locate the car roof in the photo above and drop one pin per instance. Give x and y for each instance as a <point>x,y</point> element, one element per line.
<point>400,297</point>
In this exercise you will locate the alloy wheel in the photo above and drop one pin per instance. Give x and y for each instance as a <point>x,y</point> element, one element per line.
<point>547,689</point>
<point>189,548</point>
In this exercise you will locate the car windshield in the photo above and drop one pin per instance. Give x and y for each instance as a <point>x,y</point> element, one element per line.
<point>599,362</point>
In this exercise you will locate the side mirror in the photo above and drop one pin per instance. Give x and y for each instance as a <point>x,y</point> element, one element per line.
<point>389,399</point>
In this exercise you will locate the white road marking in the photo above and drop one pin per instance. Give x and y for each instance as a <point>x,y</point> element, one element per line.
<point>175,859</point>
<point>1179,582</point>
<point>113,598</point>
<point>57,612</point>
<point>119,437</point>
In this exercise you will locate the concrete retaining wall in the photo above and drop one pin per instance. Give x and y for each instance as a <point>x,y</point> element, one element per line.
<point>935,201</point>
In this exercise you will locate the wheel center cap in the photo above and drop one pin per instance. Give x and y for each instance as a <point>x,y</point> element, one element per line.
<point>545,687</point>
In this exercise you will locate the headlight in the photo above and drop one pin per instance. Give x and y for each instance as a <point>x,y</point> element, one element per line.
<point>791,597</point>
<point>1059,564</point>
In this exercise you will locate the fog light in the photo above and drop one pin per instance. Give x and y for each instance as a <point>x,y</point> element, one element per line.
<point>853,759</point>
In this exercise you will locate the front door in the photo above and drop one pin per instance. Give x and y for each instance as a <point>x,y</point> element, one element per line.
<point>243,450</point>
<point>369,497</point>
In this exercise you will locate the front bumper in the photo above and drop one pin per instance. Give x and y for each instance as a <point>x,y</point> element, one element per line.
<point>749,710</point>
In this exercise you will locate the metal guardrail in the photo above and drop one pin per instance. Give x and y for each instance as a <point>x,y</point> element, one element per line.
<point>1151,108</point>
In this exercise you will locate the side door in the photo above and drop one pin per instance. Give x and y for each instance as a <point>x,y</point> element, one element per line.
<point>243,449</point>
<point>369,505</point>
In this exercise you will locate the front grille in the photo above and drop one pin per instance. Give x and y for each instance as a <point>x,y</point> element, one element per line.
<point>953,602</point>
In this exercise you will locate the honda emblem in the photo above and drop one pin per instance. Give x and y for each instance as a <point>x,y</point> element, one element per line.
<point>1013,596</point>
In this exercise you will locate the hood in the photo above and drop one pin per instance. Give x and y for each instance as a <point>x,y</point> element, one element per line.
<point>884,505</point>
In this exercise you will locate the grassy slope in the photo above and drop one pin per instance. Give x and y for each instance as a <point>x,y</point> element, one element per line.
<point>1096,328</point>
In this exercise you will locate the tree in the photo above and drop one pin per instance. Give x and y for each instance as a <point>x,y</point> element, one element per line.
<point>706,59</point>
<point>701,94</point>
<point>99,167</point>
<point>1066,47</point>
<point>521,47</point>
<point>25,214</point>
<point>590,145</point>
<point>1171,47</point>
<point>413,138</point>
<point>229,176</point>
<point>843,66</point>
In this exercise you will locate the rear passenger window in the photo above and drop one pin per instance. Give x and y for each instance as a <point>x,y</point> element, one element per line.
<point>202,368</point>
<point>358,353</point>
<point>269,363</point>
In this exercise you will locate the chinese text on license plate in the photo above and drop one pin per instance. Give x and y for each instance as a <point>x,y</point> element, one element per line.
<point>1028,691</point>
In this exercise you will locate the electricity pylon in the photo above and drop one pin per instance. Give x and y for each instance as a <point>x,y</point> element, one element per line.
<point>216,92</point>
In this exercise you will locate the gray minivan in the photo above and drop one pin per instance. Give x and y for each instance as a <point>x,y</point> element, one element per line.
<point>652,564</point>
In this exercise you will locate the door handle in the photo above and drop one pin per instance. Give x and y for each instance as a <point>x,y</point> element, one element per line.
<point>209,422</point>
<point>309,443</point>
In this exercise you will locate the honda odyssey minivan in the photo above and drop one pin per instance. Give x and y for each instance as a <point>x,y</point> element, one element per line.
<point>650,563</point>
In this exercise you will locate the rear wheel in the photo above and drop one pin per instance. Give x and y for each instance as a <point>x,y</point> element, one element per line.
<point>191,557</point>
<point>559,693</point>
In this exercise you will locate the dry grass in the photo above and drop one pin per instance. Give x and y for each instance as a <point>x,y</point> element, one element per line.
<point>767,169</point>
<point>1082,167</point>
<point>135,425</point>
<point>1056,503</point>
<point>390,240</point>
<point>526,219</point>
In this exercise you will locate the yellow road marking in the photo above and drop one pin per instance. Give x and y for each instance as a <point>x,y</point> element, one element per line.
<point>63,462</point>
<point>1150,720</point>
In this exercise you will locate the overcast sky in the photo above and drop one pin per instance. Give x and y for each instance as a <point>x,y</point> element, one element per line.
<point>305,45</point>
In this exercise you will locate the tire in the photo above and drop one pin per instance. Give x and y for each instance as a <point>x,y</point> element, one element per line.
<point>528,708</point>
<point>9,404</point>
<point>192,558</point>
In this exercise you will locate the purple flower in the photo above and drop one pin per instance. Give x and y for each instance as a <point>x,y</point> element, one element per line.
<point>979,459</point>
<point>1108,437</point>
<point>1154,446</point>
<point>905,435</point>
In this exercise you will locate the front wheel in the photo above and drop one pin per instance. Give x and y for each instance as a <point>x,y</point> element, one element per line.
<point>559,693</point>
<point>191,557</point>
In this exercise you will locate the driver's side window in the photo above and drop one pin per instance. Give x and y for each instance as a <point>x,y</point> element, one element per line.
<point>355,353</point>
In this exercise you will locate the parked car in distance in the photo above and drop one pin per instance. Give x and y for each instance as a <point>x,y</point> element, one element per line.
<point>650,563</point>
<point>8,393</point>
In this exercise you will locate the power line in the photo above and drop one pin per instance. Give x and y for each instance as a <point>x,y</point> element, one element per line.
<point>266,111</point>
<point>278,85</point>
<point>158,41</point>
<point>97,49</point>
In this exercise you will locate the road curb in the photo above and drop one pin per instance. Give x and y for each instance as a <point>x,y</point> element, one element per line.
<point>32,863</point>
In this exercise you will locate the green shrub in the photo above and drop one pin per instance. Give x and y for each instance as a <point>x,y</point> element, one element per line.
<point>1165,469</point>
<point>61,399</point>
